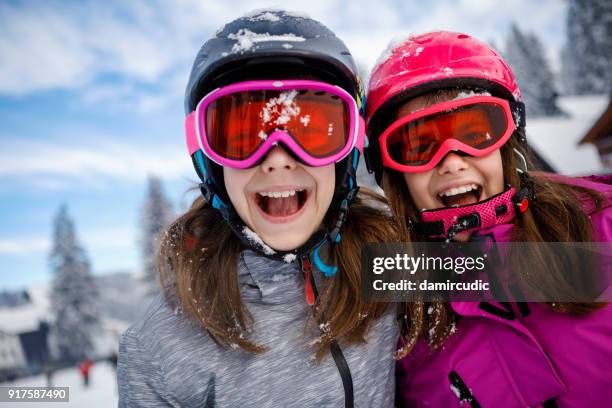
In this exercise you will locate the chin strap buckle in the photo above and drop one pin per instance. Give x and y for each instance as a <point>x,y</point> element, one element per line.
<point>522,199</point>
<point>464,223</point>
<point>449,221</point>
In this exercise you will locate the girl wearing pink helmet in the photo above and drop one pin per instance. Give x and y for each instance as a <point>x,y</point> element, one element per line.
<point>447,144</point>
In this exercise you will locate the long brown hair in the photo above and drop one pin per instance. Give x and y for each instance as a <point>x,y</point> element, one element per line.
<point>198,265</point>
<point>555,215</point>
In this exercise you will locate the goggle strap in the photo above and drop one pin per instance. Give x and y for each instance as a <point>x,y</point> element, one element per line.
<point>361,136</point>
<point>191,134</point>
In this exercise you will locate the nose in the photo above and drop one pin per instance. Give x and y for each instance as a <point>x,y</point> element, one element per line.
<point>277,159</point>
<point>453,163</point>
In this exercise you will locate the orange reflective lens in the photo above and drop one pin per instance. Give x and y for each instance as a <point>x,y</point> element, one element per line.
<point>478,126</point>
<point>238,123</point>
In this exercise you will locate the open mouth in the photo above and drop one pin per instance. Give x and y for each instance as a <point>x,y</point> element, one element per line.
<point>281,203</point>
<point>463,195</point>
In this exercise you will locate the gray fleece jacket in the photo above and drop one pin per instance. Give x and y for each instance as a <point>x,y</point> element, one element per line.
<point>165,360</point>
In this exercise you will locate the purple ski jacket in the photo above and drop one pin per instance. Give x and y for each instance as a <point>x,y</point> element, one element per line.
<point>511,356</point>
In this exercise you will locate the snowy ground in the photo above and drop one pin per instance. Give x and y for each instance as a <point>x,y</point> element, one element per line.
<point>102,390</point>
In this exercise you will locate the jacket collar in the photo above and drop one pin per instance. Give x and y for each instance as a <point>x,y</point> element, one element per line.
<point>264,279</point>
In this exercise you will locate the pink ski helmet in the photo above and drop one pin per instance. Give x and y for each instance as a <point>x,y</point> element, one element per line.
<point>430,62</point>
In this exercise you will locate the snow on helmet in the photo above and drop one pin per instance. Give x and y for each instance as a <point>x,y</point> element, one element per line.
<point>267,44</point>
<point>429,62</point>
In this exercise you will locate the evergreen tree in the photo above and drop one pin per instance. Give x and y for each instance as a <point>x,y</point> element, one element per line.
<point>74,294</point>
<point>156,215</point>
<point>525,55</point>
<point>587,55</point>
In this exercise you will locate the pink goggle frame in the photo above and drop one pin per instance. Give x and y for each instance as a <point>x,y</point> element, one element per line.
<point>195,124</point>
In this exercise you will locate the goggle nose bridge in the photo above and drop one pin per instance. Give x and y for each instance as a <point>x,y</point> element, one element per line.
<point>277,138</point>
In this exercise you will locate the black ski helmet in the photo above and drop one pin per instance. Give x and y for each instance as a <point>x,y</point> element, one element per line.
<point>273,44</point>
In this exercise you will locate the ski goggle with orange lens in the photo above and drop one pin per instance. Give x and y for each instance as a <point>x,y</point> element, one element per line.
<point>237,125</point>
<point>419,141</point>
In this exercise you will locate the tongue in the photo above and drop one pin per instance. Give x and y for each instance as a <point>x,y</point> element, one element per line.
<point>461,199</point>
<point>283,206</point>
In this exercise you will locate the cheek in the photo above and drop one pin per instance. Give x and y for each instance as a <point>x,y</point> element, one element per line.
<point>325,178</point>
<point>418,186</point>
<point>493,172</point>
<point>235,181</point>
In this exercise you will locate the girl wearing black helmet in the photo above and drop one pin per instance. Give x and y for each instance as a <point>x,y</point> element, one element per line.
<point>261,302</point>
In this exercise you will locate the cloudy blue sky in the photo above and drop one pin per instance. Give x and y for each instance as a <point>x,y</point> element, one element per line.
<point>91,102</point>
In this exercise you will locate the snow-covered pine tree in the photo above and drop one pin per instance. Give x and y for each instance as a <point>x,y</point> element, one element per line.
<point>587,55</point>
<point>74,294</point>
<point>525,55</point>
<point>156,215</point>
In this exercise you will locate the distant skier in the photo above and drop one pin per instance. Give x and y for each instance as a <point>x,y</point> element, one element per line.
<point>84,369</point>
<point>48,371</point>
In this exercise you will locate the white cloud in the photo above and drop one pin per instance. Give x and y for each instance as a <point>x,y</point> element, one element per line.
<point>41,49</point>
<point>129,98</point>
<point>368,31</point>
<point>58,165</point>
<point>51,46</point>
<point>49,183</point>
<point>23,245</point>
<point>110,238</point>
<point>98,239</point>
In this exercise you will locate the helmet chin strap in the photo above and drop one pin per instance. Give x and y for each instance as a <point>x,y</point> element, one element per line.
<point>499,209</point>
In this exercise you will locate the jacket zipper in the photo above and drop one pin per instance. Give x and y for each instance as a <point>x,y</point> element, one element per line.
<point>343,369</point>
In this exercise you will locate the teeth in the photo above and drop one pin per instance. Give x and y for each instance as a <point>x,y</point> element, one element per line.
<point>458,190</point>
<point>279,194</point>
